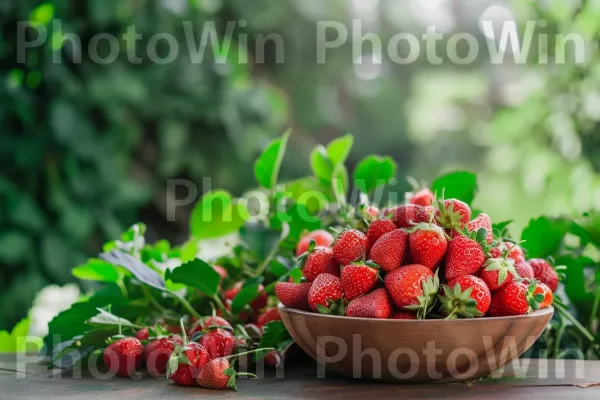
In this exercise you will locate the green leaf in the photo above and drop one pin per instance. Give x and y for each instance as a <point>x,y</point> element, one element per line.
<point>374,171</point>
<point>197,274</point>
<point>141,271</point>
<point>309,192</point>
<point>244,297</point>
<point>260,239</point>
<point>106,318</point>
<point>324,161</point>
<point>320,164</point>
<point>461,185</point>
<point>339,149</point>
<point>216,215</point>
<point>96,270</point>
<point>588,228</point>
<point>274,335</point>
<point>266,168</point>
<point>14,342</point>
<point>73,352</point>
<point>543,236</point>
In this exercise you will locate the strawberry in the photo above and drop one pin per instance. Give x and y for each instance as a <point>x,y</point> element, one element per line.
<point>142,334</point>
<point>157,354</point>
<point>373,305</point>
<point>516,298</point>
<point>257,304</point>
<point>482,221</point>
<point>124,356</point>
<point>403,315</point>
<point>218,342</point>
<point>186,362</point>
<point>544,273</point>
<point>293,295</point>
<point>542,288</point>
<point>378,228</point>
<point>498,272</point>
<point>219,374</point>
<point>270,314</point>
<point>467,296</point>
<point>427,244</point>
<point>221,271</point>
<point>423,197</point>
<point>318,260</point>
<point>413,287</point>
<point>321,238</point>
<point>389,252</point>
<point>466,254</point>
<point>452,214</point>
<point>524,270</point>
<point>325,295</point>
<point>372,211</point>
<point>359,278</point>
<point>516,252</point>
<point>407,215</point>
<point>351,245</point>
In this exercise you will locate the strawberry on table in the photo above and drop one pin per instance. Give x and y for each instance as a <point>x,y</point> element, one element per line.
<point>207,322</point>
<point>389,252</point>
<point>544,272</point>
<point>359,278</point>
<point>320,237</point>
<point>407,215</point>
<point>351,245</point>
<point>326,295</point>
<point>157,354</point>
<point>413,287</point>
<point>373,305</point>
<point>218,342</point>
<point>452,214</point>
<point>293,295</point>
<point>378,228</point>
<point>467,296</point>
<point>498,272</point>
<point>516,298</point>
<point>219,374</point>
<point>186,362</point>
<point>466,254</point>
<point>427,244</point>
<point>318,260</point>
<point>124,356</point>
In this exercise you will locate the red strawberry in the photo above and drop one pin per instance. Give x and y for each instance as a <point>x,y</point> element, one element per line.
<point>270,314</point>
<point>452,214</point>
<point>378,228</point>
<point>544,273</point>
<point>423,197</point>
<point>317,261</point>
<point>389,252</point>
<point>351,245</point>
<point>257,304</point>
<point>207,322</point>
<point>516,298</point>
<point>465,255</point>
<point>407,215</point>
<point>219,374</point>
<point>373,305</point>
<point>542,288</point>
<point>524,270</point>
<point>157,354</point>
<point>325,295</point>
<point>321,238</point>
<point>482,221</point>
<point>413,287</point>
<point>427,245</point>
<point>142,334</point>
<point>359,279</point>
<point>221,271</point>
<point>124,356</point>
<point>372,211</point>
<point>403,315</point>
<point>218,342</point>
<point>516,252</point>
<point>293,295</point>
<point>467,296</point>
<point>186,362</point>
<point>498,272</point>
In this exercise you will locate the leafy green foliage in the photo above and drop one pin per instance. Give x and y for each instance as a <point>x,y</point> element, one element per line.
<point>374,171</point>
<point>266,168</point>
<point>543,236</point>
<point>196,274</point>
<point>96,270</point>
<point>217,214</point>
<point>18,341</point>
<point>461,185</point>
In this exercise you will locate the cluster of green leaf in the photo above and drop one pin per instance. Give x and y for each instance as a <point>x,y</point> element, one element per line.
<point>85,146</point>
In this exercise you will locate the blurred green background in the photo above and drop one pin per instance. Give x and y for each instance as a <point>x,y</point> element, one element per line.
<point>87,149</point>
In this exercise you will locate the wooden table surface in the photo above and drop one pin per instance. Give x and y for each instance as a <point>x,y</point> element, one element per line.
<point>564,381</point>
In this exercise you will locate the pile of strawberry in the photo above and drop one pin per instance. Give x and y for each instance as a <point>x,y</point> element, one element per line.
<point>394,269</point>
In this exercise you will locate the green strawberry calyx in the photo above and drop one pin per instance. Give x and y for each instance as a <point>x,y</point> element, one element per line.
<point>504,266</point>
<point>448,218</point>
<point>533,300</point>
<point>427,301</point>
<point>333,307</point>
<point>456,303</point>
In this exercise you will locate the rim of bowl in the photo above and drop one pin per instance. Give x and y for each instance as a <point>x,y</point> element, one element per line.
<point>538,313</point>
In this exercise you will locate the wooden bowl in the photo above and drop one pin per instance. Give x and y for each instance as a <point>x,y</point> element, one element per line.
<point>414,351</point>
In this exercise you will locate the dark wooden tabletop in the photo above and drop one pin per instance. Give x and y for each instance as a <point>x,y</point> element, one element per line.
<point>534,379</point>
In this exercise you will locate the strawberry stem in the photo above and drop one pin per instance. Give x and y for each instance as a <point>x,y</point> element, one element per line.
<point>249,352</point>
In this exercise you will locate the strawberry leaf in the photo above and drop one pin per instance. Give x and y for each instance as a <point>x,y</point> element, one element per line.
<point>216,215</point>
<point>266,167</point>
<point>461,185</point>
<point>140,270</point>
<point>106,318</point>
<point>96,270</point>
<point>543,236</point>
<point>274,335</point>
<point>196,274</point>
<point>374,171</point>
